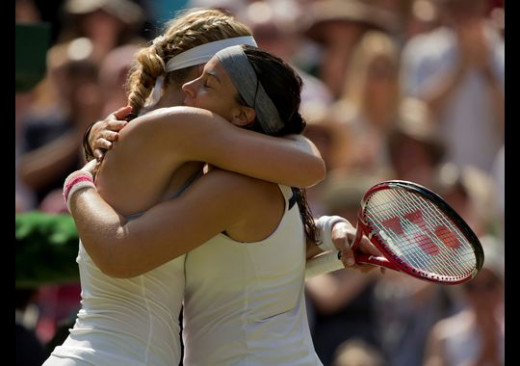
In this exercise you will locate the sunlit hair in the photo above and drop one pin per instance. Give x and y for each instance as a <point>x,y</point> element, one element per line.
<point>373,46</point>
<point>190,29</point>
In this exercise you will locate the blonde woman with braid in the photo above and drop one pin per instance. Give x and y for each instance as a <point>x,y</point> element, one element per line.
<point>134,321</point>
<point>245,237</point>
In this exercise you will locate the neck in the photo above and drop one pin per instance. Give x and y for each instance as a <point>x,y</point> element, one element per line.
<point>171,96</point>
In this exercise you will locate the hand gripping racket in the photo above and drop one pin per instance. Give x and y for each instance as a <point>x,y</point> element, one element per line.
<point>417,232</point>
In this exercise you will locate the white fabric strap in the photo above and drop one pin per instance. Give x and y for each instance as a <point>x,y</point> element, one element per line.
<point>324,226</point>
<point>202,54</point>
<point>195,56</point>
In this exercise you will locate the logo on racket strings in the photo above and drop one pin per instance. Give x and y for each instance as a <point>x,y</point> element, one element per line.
<point>413,228</point>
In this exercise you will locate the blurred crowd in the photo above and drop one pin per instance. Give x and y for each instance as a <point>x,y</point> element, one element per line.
<point>393,89</point>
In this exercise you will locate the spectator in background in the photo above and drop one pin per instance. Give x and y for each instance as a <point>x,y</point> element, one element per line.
<point>408,308</point>
<point>458,69</point>
<point>232,7</point>
<point>414,146</point>
<point>371,90</point>
<point>342,302</point>
<point>105,23</point>
<point>327,128</point>
<point>275,26</point>
<point>475,335</point>
<point>29,350</point>
<point>337,26</point>
<point>471,193</point>
<point>26,12</point>
<point>356,352</point>
<point>423,17</point>
<point>498,175</point>
<point>112,77</point>
<point>51,133</point>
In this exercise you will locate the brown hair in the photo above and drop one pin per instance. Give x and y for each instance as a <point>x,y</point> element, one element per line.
<point>188,30</point>
<point>283,86</point>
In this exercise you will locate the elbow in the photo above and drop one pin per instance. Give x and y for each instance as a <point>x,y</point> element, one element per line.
<point>317,172</point>
<point>116,266</point>
<point>321,170</point>
<point>111,269</point>
<point>110,261</point>
<point>116,270</point>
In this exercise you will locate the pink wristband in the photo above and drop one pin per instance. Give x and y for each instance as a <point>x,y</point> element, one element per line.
<point>75,181</point>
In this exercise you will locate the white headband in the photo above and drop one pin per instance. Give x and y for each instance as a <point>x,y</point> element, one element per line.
<point>203,53</point>
<point>196,56</point>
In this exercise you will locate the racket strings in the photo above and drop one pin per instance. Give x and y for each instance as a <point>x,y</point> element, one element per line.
<point>451,238</point>
<point>422,249</point>
<point>420,243</point>
<point>428,244</point>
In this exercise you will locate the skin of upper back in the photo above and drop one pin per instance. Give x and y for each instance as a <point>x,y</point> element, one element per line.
<point>147,163</point>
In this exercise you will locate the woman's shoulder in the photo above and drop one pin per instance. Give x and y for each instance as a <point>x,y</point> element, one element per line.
<point>173,119</point>
<point>238,187</point>
<point>232,180</point>
<point>174,113</point>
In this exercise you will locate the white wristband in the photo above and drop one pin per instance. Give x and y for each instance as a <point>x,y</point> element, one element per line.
<point>324,226</point>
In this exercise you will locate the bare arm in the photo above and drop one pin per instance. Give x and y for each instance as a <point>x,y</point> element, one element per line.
<point>39,166</point>
<point>442,91</point>
<point>474,54</point>
<point>202,136</point>
<point>434,352</point>
<point>122,248</point>
<point>333,291</point>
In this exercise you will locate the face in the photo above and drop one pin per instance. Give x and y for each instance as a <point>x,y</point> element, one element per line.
<point>213,90</point>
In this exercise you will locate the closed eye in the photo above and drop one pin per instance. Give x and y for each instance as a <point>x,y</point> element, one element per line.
<point>209,79</point>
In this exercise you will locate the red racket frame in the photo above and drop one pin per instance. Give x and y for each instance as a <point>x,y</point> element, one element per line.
<point>390,260</point>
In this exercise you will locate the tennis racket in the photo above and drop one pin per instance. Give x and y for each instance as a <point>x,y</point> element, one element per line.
<point>417,232</point>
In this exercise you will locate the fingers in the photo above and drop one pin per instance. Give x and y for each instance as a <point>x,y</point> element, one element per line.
<point>366,246</point>
<point>99,154</point>
<point>347,256</point>
<point>115,125</point>
<point>122,113</point>
<point>91,166</point>
<point>109,136</point>
<point>343,235</point>
<point>104,142</point>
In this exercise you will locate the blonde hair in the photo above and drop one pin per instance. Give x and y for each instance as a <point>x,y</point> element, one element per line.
<point>373,45</point>
<point>188,30</point>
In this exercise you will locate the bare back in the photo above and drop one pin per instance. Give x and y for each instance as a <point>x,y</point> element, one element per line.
<point>157,152</point>
<point>143,168</point>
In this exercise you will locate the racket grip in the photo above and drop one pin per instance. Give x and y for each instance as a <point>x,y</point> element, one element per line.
<point>323,263</point>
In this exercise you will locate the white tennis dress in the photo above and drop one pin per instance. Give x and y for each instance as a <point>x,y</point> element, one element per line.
<point>125,322</point>
<point>244,302</point>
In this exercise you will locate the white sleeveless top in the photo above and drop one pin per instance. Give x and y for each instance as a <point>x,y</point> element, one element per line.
<point>125,322</point>
<point>244,302</point>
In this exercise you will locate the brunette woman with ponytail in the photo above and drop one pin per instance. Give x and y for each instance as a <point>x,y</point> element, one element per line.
<point>134,268</point>
<point>245,238</point>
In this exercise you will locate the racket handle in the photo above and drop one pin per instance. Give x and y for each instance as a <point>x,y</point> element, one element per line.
<point>323,263</point>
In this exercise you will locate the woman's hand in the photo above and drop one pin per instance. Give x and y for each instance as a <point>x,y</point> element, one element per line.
<point>104,133</point>
<point>343,235</point>
<point>91,167</point>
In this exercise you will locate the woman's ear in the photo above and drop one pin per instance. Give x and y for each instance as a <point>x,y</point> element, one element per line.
<point>243,116</point>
